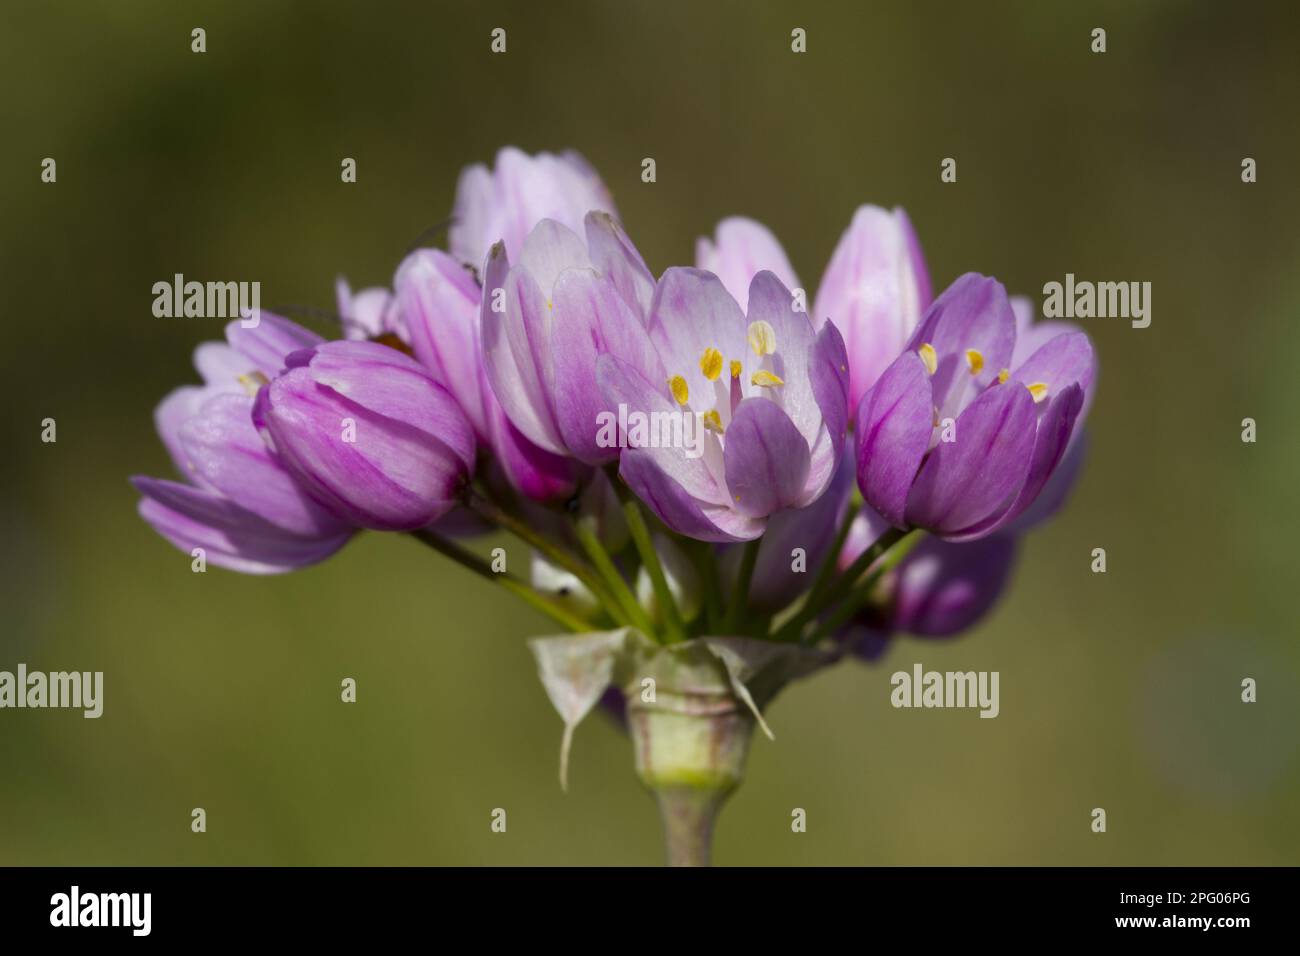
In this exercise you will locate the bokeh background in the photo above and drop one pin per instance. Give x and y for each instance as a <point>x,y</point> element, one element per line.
<point>1118,690</point>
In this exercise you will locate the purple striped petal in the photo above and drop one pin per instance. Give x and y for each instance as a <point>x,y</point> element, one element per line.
<point>591,319</point>
<point>440,302</point>
<point>520,385</point>
<point>966,481</point>
<point>812,529</point>
<point>873,292</point>
<point>894,425</point>
<point>973,313</point>
<point>740,250</point>
<point>614,256</point>
<point>230,536</point>
<point>767,459</point>
<point>677,509</point>
<point>227,455</point>
<point>942,589</point>
<point>268,343</point>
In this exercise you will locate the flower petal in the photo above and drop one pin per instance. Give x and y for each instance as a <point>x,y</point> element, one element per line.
<point>440,302</point>
<point>973,313</point>
<point>767,459</point>
<point>614,256</point>
<point>520,385</point>
<point>227,455</point>
<point>812,529</point>
<point>675,506</point>
<point>268,343</point>
<point>742,248</point>
<point>966,481</point>
<point>1051,441</point>
<point>230,536</point>
<point>942,589</point>
<point>894,423</point>
<point>622,385</point>
<point>550,249</point>
<point>872,290</point>
<point>590,319</point>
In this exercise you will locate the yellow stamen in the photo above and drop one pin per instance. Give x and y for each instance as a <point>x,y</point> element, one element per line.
<point>1038,390</point>
<point>975,361</point>
<point>1003,376</point>
<point>680,391</point>
<point>711,364</point>
<point>765,379</point>
<point>735,368</point>
<point>929,356</point>
<point>762,337</point>
<point>252,382</point>
<point>713,421</point>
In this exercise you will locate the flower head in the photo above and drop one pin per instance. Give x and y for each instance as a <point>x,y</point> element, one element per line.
<point>505,203</point>
<point>546,320</point>
<point>875,288</point>
<point>239,504</point>
<point>959,437</point>
<point>769,390</point>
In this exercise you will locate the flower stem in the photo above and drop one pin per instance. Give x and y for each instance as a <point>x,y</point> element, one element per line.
<point>793,628</point>
<point>827,571</point>
<point>863,592</point>
<point>650,558</point>
<point>491,512</point>
<point>688,814</point>
<point>618,587</point>
<point>707,562</point>
<point>474,563</point>
<point>740,597</point>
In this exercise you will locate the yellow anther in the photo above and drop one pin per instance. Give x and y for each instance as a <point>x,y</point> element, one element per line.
<point>713,421</point>
<point>735,368</point>
<point>680,390</point>
<point>252,382</point>
<point>1038,390</point>
<point>762,337</point>
<point>1003,376</point>
<point>711,364</point>
<point>765,379</point>
<point>975,361</point>
<point>929,356</point>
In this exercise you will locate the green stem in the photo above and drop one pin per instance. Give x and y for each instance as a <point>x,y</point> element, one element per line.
<point>707,562</point>
<point>558,555</point>
<point>832,560</point>
<point>618,587</point>
<point>793,628</point>
<point>858,597</point>
<point>740,597</point>
<point>474,563</point>
<point>650,558</point>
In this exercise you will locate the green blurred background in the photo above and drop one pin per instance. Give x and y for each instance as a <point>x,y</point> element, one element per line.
<point>222,691</point>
